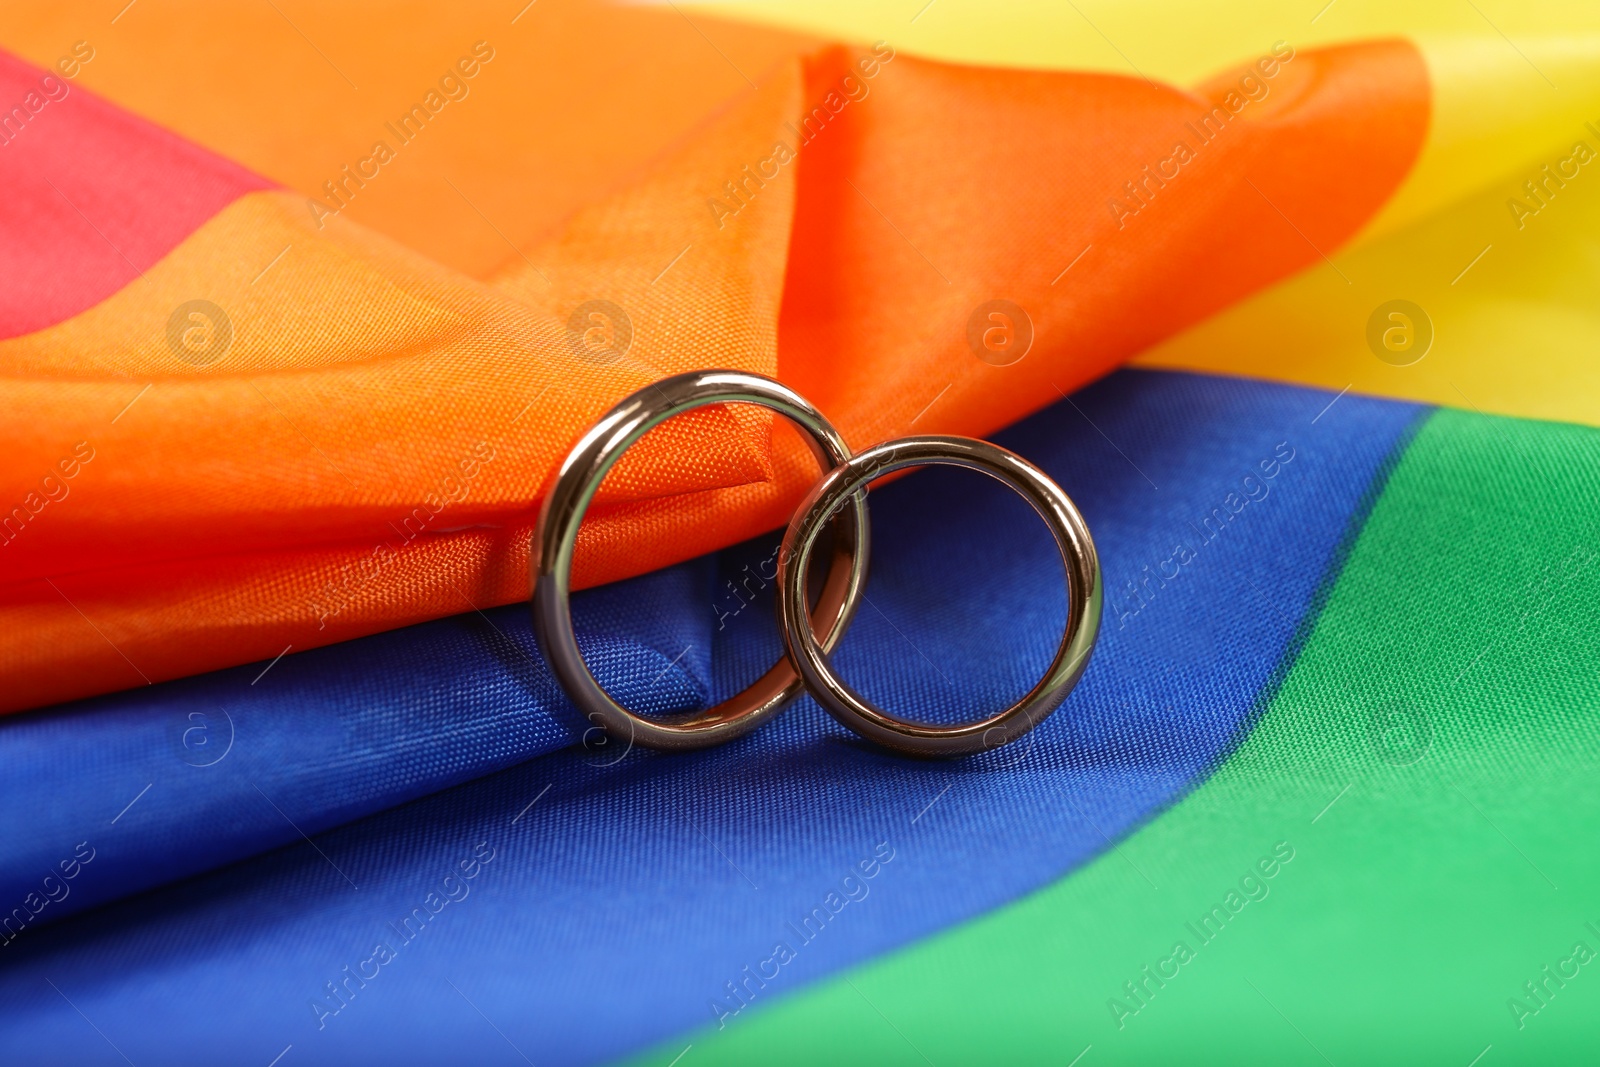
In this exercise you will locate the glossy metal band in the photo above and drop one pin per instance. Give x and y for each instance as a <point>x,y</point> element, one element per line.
<point>842,486</point>
<point>568,498</point>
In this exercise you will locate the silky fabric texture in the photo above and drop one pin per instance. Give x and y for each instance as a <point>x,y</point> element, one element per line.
<point>641,878</point>
<point>56,261</point>
<point>196,773</point>
<point>1427,770</point>
<point>346,435</point>
<point>1512,90</point>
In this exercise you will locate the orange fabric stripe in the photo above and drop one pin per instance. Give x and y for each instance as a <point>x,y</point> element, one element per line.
<point>262,500</point>
<point>998,181</point>
<point>580,98</point>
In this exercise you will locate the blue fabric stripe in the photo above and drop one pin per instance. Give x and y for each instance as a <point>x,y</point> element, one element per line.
<point>616,908</point>
<point>227,765</point>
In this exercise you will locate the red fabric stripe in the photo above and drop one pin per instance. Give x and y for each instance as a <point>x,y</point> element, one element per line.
<point>90,195</point>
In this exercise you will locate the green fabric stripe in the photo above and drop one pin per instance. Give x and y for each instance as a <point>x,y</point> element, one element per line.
<point>1432,760</point>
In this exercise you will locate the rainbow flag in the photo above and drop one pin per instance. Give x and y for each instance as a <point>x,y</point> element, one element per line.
<point>303,303</point>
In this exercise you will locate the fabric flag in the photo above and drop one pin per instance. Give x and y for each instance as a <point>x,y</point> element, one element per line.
<point>304,304</point>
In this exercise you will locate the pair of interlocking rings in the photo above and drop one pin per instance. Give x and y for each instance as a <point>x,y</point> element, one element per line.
<point>809,633</point>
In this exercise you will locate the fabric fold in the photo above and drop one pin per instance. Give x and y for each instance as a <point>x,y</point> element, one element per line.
<point>305,432</point>
<point>661,877</point>
<point>171,780</point>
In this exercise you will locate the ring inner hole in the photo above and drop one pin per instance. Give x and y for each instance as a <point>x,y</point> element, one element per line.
<point>965,604</point>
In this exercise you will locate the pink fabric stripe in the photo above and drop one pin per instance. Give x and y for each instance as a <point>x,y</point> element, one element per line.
<point>90,196</point>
